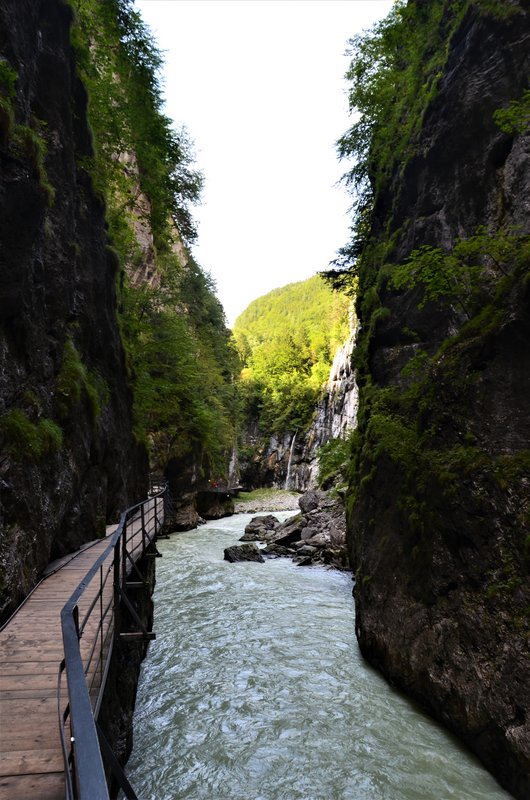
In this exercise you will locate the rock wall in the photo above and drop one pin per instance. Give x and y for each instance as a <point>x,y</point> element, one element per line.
<point>290,462</point>
<point>443,571</point>
<point>69,461</point>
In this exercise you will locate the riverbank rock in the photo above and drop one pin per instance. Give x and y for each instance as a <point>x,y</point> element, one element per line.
<point>258,528</point>
<point>289,531</point>
<point>317,535</point>
<point>277,550</point>
<point>243,552</point>
<point>214,505</point>
<point>183,515</point>
<point>308,502</point>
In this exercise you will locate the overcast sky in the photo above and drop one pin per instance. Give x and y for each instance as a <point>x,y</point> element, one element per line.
<point>260,86</point>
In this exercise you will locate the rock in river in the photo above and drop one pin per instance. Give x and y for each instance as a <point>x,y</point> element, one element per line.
<point>243,552</point>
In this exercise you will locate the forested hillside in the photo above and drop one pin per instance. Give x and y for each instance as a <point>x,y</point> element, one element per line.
<point>439,524</point>
<point>286,341</point>
<point>179,352</point>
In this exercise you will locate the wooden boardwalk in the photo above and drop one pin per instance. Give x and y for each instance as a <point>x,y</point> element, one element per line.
<point>31,650</point>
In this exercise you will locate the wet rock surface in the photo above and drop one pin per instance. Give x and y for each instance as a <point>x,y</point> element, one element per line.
<point>243,552</point>
<point>314,536</point>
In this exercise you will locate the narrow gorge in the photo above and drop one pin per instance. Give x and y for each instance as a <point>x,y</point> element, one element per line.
<point>389,394</point>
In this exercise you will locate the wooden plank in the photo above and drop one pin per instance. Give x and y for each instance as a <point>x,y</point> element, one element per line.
<point>50,786</point>
<point>30,653</point>
<point>26,737</point>
<point>23,668</point>
<point>30,762</point>
<point>54,655</point>
<point>34,679</point>
<point>28,694</point>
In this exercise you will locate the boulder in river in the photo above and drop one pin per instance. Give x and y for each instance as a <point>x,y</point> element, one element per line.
<point>289,531</point>
<point>243,552</point>
<point>258,528</point>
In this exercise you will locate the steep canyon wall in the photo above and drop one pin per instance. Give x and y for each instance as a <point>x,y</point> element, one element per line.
<point>69,460</point>
<point>439,514</point>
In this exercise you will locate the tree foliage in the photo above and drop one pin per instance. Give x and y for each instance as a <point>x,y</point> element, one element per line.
<point>181,359</point>
<point>515,117</point>
<point>395,73</point>
<point>119,65</point>
<point>286,341</point>
<point>466,274</point>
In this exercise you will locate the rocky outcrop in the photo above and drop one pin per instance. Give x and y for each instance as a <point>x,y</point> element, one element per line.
<point>215,504</point>
<point>290,462</point>
<point>317,535</point>
<point>243,552</point>
<point>194,498</point>
<point>69,459</point>
<point>438,540</point>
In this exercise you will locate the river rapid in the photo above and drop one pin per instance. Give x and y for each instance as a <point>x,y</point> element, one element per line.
<point>255,689</point>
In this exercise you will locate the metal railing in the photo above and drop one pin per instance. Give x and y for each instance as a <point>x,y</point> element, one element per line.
<point>90,621</point>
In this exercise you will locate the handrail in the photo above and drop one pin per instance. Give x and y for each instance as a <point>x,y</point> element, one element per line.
<point>85,776</point>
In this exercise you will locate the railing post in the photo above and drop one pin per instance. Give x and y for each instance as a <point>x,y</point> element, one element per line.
<point>117,577</point>
<point>101,624</point>
<point>142,516</point>
<point>87,763</point>
<point>75,616</point>
<point>124,555</point>
<point>156,518</point>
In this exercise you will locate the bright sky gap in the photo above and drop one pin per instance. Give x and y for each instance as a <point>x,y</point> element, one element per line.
<point>259,84</point>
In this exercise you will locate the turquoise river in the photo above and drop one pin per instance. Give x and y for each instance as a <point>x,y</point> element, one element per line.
<point>255,690</point>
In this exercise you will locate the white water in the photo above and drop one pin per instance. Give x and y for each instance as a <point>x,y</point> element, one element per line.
<point>291,450</point>
<point>255,690</point>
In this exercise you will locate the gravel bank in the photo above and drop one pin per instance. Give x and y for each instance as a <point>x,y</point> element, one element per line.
<point>273,501</point>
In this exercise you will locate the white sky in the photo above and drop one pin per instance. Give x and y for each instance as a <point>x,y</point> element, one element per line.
<point>260,86</point>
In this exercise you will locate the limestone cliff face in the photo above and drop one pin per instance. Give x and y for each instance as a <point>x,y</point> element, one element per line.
<point>291,462</point>
<point>69,461</point>
<point>443,569</point>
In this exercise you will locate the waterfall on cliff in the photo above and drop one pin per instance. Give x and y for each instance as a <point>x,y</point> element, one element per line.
<point>291,449</point>
<point>233,468</point>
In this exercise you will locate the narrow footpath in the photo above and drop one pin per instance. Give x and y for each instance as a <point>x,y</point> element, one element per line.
<point>31,651</point>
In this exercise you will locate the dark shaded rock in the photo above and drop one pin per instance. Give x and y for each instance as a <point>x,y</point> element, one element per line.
<point>277,550</point>
<point>261,525</point>
<point>57,285</point>
<point>184,515</point>
<point>243,552</point>
<point>305,550</point>
<point>214,505</point>
<point>455,572</point>
<point>304,561</point>
<point>320,539</point>
<point>336,558</point>
<point>308,502</point>
<point>289,531</point>
<point>309,532</point>
<point>252,536</point>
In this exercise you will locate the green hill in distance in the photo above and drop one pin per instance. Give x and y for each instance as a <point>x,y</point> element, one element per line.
<point>286,340</point>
